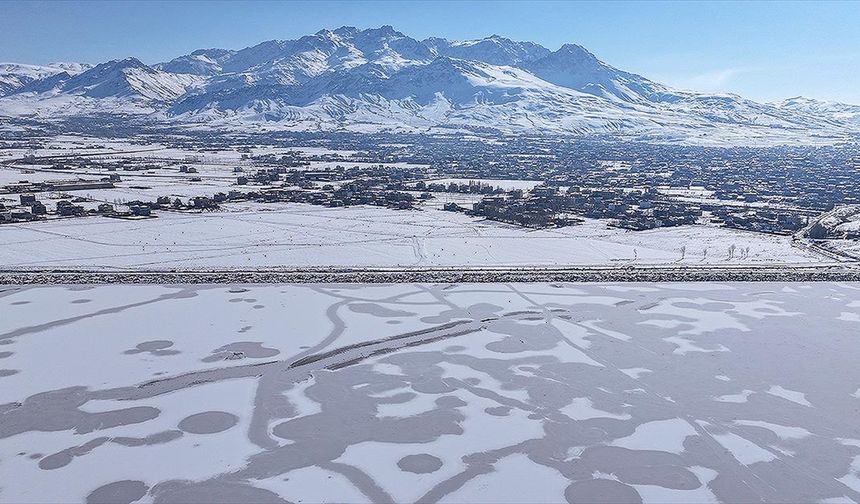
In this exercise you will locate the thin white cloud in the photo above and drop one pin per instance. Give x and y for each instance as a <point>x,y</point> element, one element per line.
<point>717,80</point>
<point>720,80</point>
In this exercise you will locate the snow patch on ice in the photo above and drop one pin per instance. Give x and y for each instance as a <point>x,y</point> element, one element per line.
<point>581,408</point>
<point>783,431</point>
<point>743,450</point>
<point>789,395</point>
<point>505,484</point>
<point>660,435</point>
<point>635,372</point>
<point>735,398</point>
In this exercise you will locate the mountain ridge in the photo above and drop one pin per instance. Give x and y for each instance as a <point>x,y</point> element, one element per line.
<point>381,79</point>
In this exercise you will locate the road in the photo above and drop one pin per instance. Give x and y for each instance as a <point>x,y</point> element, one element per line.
<point>598,273</point>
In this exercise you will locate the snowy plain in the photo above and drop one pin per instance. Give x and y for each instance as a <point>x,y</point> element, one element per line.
<point>299,235</point>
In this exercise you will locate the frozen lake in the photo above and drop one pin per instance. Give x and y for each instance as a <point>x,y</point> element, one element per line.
<point>658,393</point>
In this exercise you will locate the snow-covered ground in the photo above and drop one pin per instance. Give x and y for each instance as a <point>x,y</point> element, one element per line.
<point>261,235</point>
<point>659,393</point>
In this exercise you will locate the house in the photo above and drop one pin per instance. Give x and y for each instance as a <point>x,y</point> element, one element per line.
<point>21,215</point>
<point>140,211</point>
<point>38,208</point>
<point>67,209</point>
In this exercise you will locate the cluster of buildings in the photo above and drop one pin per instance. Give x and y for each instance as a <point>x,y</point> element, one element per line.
<point>31,209</point>
<point>630,185</point>
<point>762,220</point>
<point>25,186</point>
<point>550,206</point>
<point>335,187</point>
<point>635,209</point>
<point>354,193</point>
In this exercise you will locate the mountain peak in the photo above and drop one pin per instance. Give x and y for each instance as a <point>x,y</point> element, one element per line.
<point>575,50</point>
<point>121,64</point>
<point>383,31</point>
<point>495,50</point>
<point>346,30</point>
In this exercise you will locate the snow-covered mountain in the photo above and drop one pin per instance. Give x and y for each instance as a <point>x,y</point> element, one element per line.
<point>127,78</point>
<point>494,50</point>
<point>572,66</point>
<point>119,87</point>
<point>200,62</point>
<point>14,76</point>
<point>837,112</point>
<point>380,79</point>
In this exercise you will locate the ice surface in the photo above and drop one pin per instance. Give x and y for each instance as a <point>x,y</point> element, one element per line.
<point>478,393</point>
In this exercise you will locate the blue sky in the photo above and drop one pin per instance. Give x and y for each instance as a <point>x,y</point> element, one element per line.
<point>762,50</point>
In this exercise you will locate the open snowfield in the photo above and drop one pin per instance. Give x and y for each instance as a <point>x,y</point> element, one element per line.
<point>657,393</point>
<point>260,235</point>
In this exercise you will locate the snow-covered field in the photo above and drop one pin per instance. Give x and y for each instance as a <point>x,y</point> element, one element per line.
<point>659,393</point>
<point>261,235</point>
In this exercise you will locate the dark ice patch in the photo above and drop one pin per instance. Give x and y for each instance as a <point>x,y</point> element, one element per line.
<point>378,310</point>
<point>241,350</point>
<point>213,492</point>
<point>598,491</point>
<point>208,422</point>
<point>523,338</point>
<point>59,410</point>
<point>498,410</point>
<point>118,492</point>
<point>478,311</point>
<point>152,439</point>
<point>154,347</point>
<point>421,463</point>
<point>65,457</point>
<point>675,477</point>
<point>450,402</point>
